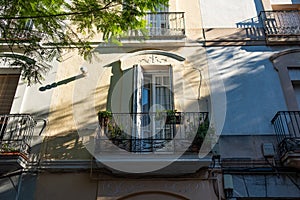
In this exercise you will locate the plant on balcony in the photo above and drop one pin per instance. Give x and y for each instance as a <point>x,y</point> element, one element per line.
<point>7,149</point>
<point>118,137</point>
<point>198,138</point>
<point>112,130</point>
<point>104,118</point>
<point>171,116</point>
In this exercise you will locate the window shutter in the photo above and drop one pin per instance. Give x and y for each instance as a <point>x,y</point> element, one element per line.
<point>8,86</point>
<point>171,87</point>
<point>138,83</point>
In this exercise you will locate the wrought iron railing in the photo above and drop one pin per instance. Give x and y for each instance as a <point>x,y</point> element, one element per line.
<point>281,23</point>
<point>152,132</point>
<point>16,131</point>
<point>21,29</point>
<point>161,24</point>
<point>287,129</point>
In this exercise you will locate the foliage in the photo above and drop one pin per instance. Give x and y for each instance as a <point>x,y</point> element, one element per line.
<point>104,114</point>
<point>43,29</point>
<point>113,131</point>
<point>104,118</point>
<point>7,148</point>
<point>198,131</point>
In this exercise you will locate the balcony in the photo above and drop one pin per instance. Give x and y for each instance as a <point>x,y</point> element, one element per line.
<point>153,132</point>
<point>160,25</point>
<point>15,135</point>
<point>20,30</point>
<point>153,138</point>
<point>287,128</point>
<point>281,27</point>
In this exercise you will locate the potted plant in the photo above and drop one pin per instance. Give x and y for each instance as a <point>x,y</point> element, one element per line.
<point>198,137</point>
<point>6,149</point>
<point>173,117</point>
<point>104,118</point>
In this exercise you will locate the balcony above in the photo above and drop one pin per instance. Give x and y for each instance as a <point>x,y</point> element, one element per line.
<point>287,128</point>
<point>281,27</point>
<point>18,30</point>
<point>15,135</point>
<point>160,26</point>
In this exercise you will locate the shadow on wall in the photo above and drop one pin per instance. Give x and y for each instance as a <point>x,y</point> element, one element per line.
<point>64,142</point>
<point>63,147</point>
<point>116,76</point>
<point>253,26</point>
<point>197,63</point>
<point>62,82</point>
<point>251,83</point>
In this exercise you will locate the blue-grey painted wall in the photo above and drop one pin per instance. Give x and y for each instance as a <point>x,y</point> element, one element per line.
<point>252,88</point>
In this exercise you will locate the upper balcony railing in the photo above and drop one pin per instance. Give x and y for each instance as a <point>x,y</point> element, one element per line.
<point>152,132</point>
<point>16,131</point>
<point>18,30</point>
<point>281,24</point>
<point>287,128</point>
<point>162,25</point>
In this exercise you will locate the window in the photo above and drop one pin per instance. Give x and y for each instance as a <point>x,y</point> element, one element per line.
<point>8,86</point>
<point>153,89</point>
<point>158,23</point>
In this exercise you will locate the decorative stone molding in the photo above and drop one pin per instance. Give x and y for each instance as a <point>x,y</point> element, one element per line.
<point>282,62</point>
<point>153,59</point>
<point>150,57</point>
<point>190,189</point>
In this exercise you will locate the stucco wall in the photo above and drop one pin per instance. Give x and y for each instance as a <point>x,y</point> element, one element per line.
<point>71,106</point>
<point>251,88</point>
<point>81,186</point>
<point>61,186</point>
<point>158,189</point>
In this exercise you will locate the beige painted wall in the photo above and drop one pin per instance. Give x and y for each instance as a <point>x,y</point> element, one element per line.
<point>72,107</point>
<point>193,18</point>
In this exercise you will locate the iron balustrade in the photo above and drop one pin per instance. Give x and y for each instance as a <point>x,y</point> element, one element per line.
<point>18,29</point>
<point>16,131</point>
<point>281,23</point>
<point>287,129</point>
<point>161,24</point>
<point>152,132</point>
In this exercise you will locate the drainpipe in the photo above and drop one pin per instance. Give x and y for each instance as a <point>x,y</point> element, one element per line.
<point>19,186</point>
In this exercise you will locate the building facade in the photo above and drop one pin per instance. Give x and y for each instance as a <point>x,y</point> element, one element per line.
<point>205,107</point>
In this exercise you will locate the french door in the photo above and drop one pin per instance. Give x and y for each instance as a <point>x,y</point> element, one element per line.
<point>153,93</point>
